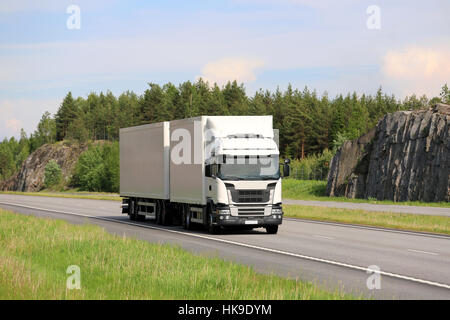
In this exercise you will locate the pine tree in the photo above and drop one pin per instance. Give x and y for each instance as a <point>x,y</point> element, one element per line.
<point>65,115</point>
<point>445,94</point>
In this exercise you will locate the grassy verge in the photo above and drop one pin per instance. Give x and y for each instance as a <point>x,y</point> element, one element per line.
<point>315,190</point>
<point>35,254</point>
<point>411,222</point>
<point>76,195</point>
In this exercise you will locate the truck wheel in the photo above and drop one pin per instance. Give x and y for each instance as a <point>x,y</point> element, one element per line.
<point>158,212</point>
<point>186,218</point>
<point>132,210</point>
<point>165,218</point>
<point>272,229</point>
<point>211,227</point>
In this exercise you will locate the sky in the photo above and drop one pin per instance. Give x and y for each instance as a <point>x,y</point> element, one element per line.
<point>51,47</point>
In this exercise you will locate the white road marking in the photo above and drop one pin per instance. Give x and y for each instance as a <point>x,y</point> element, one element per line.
<point>322,237</point>
<point>245,245</point>
<point>424,252</point>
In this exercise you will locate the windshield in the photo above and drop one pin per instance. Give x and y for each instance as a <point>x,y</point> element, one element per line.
<point>250,168</point>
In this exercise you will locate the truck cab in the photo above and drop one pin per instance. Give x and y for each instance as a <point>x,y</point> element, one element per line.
<point>243,175</point>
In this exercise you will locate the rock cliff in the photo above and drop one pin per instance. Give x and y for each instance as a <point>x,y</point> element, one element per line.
<point>31,175</point>
<point>406,157</point>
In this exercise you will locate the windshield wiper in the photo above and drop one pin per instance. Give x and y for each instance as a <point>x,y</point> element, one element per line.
<point>270,178</point>
<point>232,178</point>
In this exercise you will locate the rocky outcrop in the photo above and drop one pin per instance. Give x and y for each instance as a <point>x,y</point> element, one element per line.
<point>406,157</point>
<point>31,175</point>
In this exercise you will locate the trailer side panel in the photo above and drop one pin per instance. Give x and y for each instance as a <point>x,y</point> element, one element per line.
<point>144,161</point>
<point>187,169</point>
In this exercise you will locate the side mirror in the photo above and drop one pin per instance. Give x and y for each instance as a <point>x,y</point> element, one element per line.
<point>208,172</point>
<point>286,170</point>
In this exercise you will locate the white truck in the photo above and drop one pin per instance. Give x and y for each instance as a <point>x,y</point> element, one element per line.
<point>216,171</point>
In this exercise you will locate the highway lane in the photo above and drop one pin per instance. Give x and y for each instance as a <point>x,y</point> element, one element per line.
<point>301,249</point>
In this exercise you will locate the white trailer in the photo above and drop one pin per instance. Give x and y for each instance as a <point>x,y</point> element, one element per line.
<point>218,171</point>
<point>187,183</point>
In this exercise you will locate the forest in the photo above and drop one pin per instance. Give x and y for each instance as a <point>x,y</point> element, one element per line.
<point>310,124</point>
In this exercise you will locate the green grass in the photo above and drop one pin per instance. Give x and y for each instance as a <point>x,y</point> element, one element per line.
<point>315,190</point>
<point>35,253</point>
<point>411,222</point>
<point>76,195</point>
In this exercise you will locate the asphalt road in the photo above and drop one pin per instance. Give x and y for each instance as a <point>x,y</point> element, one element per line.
<point>425,210</point>
<point>412,265</point>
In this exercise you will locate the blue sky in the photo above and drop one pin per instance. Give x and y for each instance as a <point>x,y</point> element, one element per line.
<point>123,45</point>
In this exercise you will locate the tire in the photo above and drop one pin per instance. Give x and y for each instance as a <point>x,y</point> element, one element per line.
<point>272,229</point>
<point>211,227</point>
<point>187,225</point>
<point>159,212</point>
<point>165,216</point>
<point>132,210</point>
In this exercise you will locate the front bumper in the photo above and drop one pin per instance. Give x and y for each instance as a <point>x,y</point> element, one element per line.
<point>248,221</point>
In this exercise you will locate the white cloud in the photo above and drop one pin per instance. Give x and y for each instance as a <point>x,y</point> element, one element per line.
<point>18,6</point>
<point>308,3</point>
<point>16,114</point>
<point>13,124</point>
<point>420,70</point>
<point>413,62</point>
<point>26,5</point>
<point>54,60</point>
<point>229,69</point>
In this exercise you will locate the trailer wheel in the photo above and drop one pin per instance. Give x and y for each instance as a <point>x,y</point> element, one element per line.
<point>186,218</point>
<point>132,210</point>
<point>272,229</point>
<point>165,218</point>
<point>158,212</point>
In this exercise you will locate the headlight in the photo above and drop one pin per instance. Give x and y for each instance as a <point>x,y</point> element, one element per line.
<point>223,211</point>
<point>277,211</point>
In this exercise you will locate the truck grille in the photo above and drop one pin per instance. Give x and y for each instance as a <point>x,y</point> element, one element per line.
<point>250,196</point>
<point>251,211</point>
